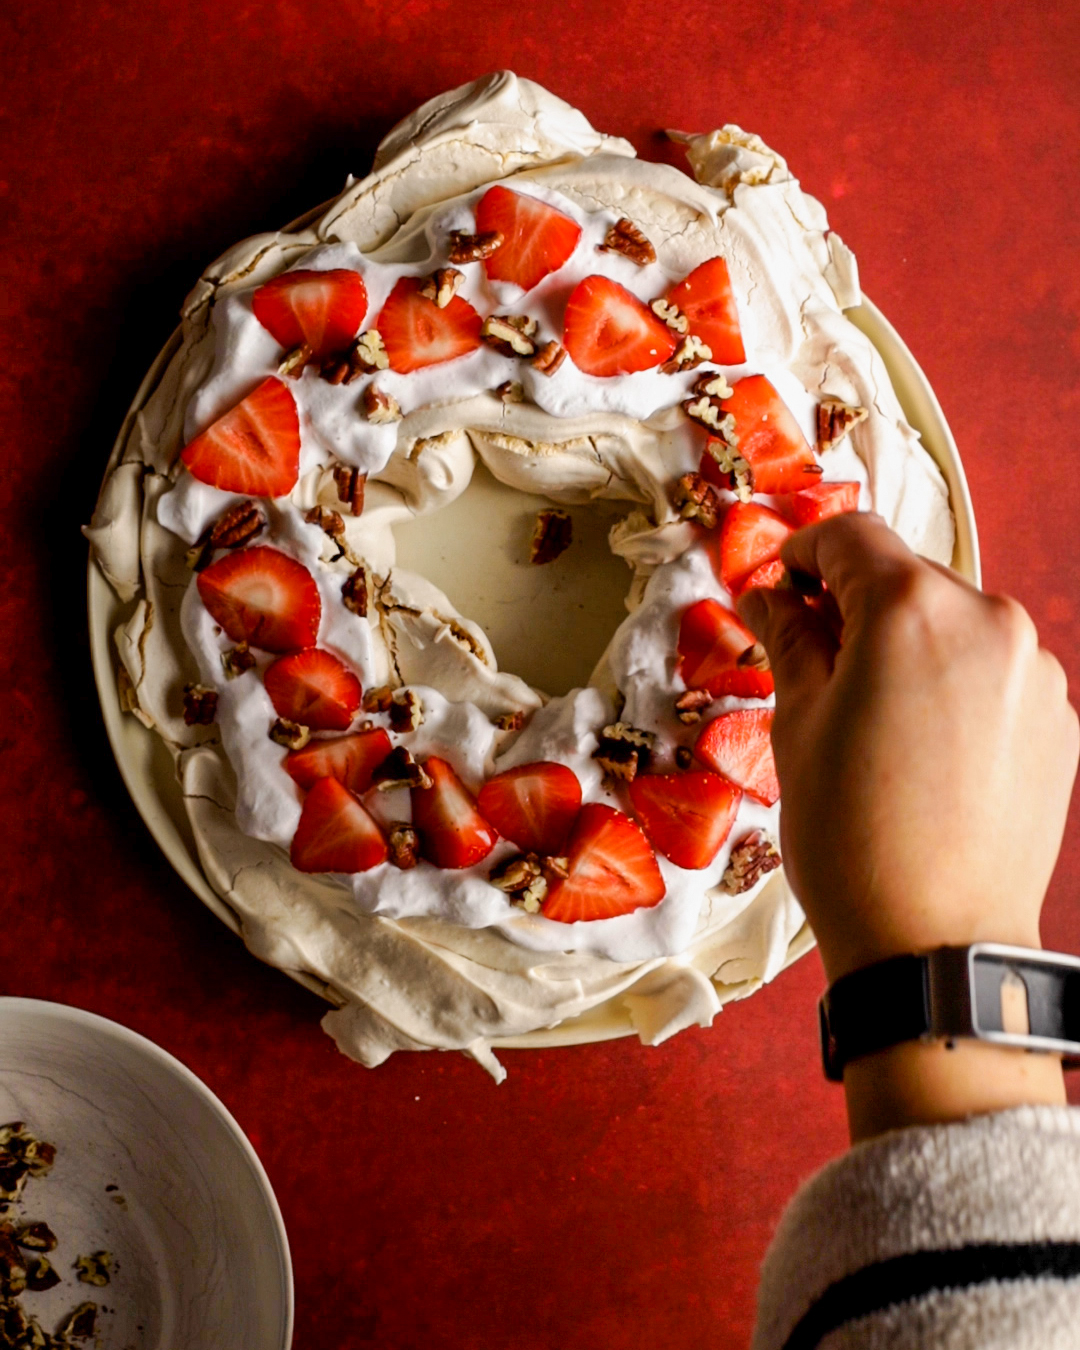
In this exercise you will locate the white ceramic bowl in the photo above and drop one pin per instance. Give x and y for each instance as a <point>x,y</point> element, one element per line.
<point>151,1168</point>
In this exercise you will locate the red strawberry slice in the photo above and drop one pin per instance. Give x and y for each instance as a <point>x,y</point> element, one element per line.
<point>537,239</point>
<point>417,333</point>
<point>254,448</point>
<point>323,309</point>
<point>738,745</point>
<point>769,438</point>
<point>710,470</point>
<point>315,689</point>
<point>335,833</point>
<point>612,869</point>
<point>452,831</point>
<point>687,816</point>
<point>766,577</point>
<point>819,502</point>
<point>349,759</point>
<point>534,805</point>
<point>711,641</point>
<point>750,536</point>
<point>608,331</point>
<point>707,300</point>
<point>262,596</point>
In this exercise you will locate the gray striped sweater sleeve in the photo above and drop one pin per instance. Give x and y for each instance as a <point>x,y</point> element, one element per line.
<point>956,1236</point>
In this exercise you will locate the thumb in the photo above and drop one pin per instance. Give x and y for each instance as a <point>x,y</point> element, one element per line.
<point>800,645</point>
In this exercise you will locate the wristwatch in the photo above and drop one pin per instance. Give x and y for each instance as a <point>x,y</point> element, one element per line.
<point>1015,996</point>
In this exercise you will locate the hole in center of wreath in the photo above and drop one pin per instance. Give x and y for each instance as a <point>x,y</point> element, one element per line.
<point>548,623</point>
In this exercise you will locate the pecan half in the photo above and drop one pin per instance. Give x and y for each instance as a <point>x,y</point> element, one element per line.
<point>522,879</point>
<point>40,1275</point>
<point>510,721</point>
<point>406,711</point>
<point>751,859</point>
<point>237,527</point>
<point>835,419</point>
<point>690,706</point>
<point>368,353</point>
<point>697,500</point>
<point>690,352</point>
<point>290,734</point>
<point>79,1325</point>
<point>200,705</point>
<point>549,357</point>
<point>399,769</point>
<point>404,845</point>
<point>713,385</point>
<point>511,391</point>
<point>295,361</point>
<point>378,699</point>
<point>675,319</point>
<point>350,484</point>
<point>624,751</point>
<point>467,248</point>
<point>236,662</point>
<point>708,413</point>
<point>36,1237</point>
<point>379,406</point>
<point>624,237</point>
<point>552,536</point>
<point>354,592</point>
<point>443,284</point>
<point>510,334</point>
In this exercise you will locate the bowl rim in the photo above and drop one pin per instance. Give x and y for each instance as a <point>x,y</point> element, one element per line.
<point>105,1026</point>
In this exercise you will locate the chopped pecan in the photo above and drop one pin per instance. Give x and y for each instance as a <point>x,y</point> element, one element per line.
<point>511,391</point>
<point>12,1266</point>
<point>406,711</point>
<point>36,1237</point>
<point>623,751</point>
<point>354,592</point>
<point>380,406</point>
<point>290,734</point>
<point>350,484</point>
<point>755,657</point>
<point>697,500</point>
<point>554,868</point>
<point>690,706</point>
<point>510,334</point>
<point>707,412</point>
<point>510,721</point>
<point>549,357</point>
<point>729,461</point>
<point>237,527</point>
<point>79,1325</point>
<point>94,1269</point>
<point>399,769</point>
<point>339,369</point>
<point>236,662</point>
<point>751,859</point>
<point>295,361</point>
<point>675,319</point>
<point>522,879</point>
<point>552,536</point>
<point>404,844</point>
<point>368,353</point>
<point>624,237</point>
<point>330,522</point>
<point>378,699</point>
<point>40,1275</point>
<point>713,385</point>
<point>443,284</point>
<point>835,420</point>
<point>200,705</point>
<point>690,352</point>
<point>684,757</point>
<point>467,248</point>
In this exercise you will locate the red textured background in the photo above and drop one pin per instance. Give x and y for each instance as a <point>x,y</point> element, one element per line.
<point>604,1196</point>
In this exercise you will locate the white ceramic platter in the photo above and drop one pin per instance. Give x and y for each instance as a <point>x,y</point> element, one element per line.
<point>472,550</point>
<point>151,1168</point>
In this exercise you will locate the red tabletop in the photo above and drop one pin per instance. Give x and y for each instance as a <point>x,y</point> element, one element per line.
<point>608,1195</point>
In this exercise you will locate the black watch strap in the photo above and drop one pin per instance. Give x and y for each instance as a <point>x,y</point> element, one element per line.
<point>1015,996</point>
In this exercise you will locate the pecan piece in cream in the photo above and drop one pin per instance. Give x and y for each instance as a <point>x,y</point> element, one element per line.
<point>624,237</point>
<point>835,419</point>
<point>330,522</point>
<point>690,706</point>
<point>237,661</point>
<point>354,592</point>
<point>350,484</point>
<point>552,535</point>
<point>378,699</point>
<point>624,751</point>
<point>400,769</point>
<point>295,362</point>
<point>522,879</point>
<point>467,248</point>
<point>237,527</point>
<point>697,500</point>
<point>549,357</point>
<point>690,352</point>
<point>675,319</point>
<point>751,859</point>
<point>368,353</point>
<point>404,845</point>
<point>510,721</point>
<point>406,711</point>
<point>200,705</point>
<point>443,284</point>
<point>379,406</point>
<point>510,391</point>
<point>290,734</point>
<point>510,334</point>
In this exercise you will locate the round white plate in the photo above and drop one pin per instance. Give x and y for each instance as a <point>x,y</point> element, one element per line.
<point>151,1168</point>
<point>461,549</point>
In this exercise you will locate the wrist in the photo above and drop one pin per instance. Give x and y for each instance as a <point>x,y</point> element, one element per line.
<point>844,952</point>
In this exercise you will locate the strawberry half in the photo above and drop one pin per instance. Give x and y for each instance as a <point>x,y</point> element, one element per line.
<point>323,309</point>
<point>335,833</point>
<point>820,502</point>
<point>608,331</point>
<point>452,831</point>
<point>687,816</point>
<point>254,448</point>
<point>534,805</point>
<point>739,746</point>
<point>750,537</point>
<point>349,759</point>
<point>262,596</point>
<point>707,300</point>
<point>417,333</point>
<point>537,239</point>
<point>769,438</point>
<point>612,870</point>
<point>314,688</point>
<point>711,641</point>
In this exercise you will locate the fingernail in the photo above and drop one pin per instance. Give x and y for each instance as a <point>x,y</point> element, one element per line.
<point>752,607</point>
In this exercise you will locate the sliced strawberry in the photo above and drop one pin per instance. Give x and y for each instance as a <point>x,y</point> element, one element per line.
<point>711,641</point>
<point>769,438</point>
<point>349,759</point>
<point>452,831</point>
<point>314,688</point>
<point>323,309</point>
<point>612,869</point>
<point>766,577</point>
<point>533,806</point>
<point>819,502</point>
<point>750,536</point>
<point>254,448</point>
<point>417,333</point>
<point>687,816</point>
<point>738,745</point>
<point>707,300</point>
<point>608,331</point>
<point>262,596</point>
<point>537,239</point>
<point>710,470</point>
<point>335,833</point>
